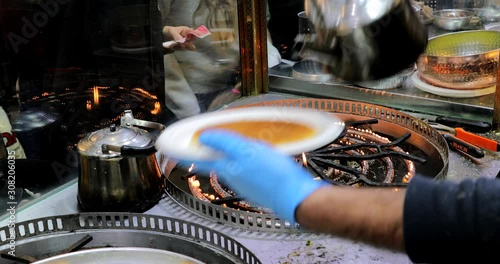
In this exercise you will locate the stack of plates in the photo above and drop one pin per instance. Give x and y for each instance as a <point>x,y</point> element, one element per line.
<point>311,71</point>
<point>447,92</point>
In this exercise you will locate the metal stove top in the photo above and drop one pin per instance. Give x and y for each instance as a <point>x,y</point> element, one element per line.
<point>268,247</point>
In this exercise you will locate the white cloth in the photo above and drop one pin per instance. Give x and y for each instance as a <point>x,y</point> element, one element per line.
<point>273,55</point>
<point>12,144</point>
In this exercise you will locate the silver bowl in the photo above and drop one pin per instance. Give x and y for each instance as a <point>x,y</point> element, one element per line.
<point>461,60</point>
<point>452,19</point>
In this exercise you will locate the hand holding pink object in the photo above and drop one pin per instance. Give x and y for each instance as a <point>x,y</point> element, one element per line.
<point>182,36</point>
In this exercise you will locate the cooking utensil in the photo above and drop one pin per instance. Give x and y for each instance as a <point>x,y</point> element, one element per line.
<point>447,92</point>
<point>467,124</point>
<point>359,38</point>
<point>462,146</point>
<point>452,19</point>
<point>39,132</point>
<point>118,168</point>
<point>311,71</point>
<point>121,255</point>
<point>461,60</point>
<point>477,140</point>
<point>469,137</point>
<point>456,126</point>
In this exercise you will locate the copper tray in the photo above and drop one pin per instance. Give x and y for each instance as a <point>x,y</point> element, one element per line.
<point>461,60</point>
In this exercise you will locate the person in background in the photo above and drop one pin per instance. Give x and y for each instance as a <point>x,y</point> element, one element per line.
<point>197,72</point>
<point>432,221</point>
<point>283,25</point>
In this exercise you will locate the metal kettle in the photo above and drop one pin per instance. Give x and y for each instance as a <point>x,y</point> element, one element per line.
<point>118,170</point>
<point>362,40</point>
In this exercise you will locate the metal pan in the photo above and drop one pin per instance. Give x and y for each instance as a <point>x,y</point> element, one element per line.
<point>122,255</point>
<point>462,60</point>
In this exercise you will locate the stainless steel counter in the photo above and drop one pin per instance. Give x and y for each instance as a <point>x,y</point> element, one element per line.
<point>268,247</point>
<point>407,97</point>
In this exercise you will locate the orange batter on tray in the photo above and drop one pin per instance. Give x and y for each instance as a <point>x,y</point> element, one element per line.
<point>272,132</point>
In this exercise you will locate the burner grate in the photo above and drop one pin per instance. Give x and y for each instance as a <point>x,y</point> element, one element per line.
<point>45,237</point>
<point>380,147</point>
<point>361,157</point>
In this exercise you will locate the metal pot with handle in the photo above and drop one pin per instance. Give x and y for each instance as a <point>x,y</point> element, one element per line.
<point>118,170</point>
<point>359,39</point>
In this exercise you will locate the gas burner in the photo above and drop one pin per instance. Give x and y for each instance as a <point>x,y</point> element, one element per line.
<point>359,157</point>
<point>380,147</point>
<point>82,110</point>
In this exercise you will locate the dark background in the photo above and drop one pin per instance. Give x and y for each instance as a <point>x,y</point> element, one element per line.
<point>59,50</point>
<point>283,24</point>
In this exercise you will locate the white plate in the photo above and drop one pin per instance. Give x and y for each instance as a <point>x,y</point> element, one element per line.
<point>178,140</point>
<point>419,83</point>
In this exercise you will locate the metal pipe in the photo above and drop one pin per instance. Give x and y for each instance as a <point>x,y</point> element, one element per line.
<point>253,46</point>
<point>496,106</point>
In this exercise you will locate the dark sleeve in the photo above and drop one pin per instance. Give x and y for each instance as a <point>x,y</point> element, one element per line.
<point>452,222</point>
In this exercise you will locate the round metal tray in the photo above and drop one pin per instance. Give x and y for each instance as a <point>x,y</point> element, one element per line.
<point>462,60</point>
<point>120,255</point>
<point>310,71</point>
<point>44,238</point>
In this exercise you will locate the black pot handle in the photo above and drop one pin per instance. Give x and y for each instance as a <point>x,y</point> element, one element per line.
<point>131,150</point>
<point>137,151</point>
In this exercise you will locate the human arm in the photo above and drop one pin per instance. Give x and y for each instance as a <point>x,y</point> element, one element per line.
<point>371,215</point>
<point>433,221</point>
<point>172,33</point>
<point>447,222</point>
<point>175,34</point>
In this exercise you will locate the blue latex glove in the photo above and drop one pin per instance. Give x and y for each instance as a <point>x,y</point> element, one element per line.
<point>257,172</point>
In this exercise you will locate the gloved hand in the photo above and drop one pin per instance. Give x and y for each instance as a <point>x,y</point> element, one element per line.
<point>257,172</point>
